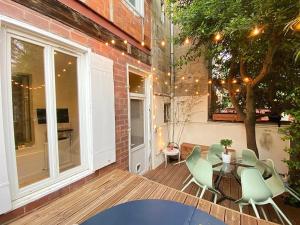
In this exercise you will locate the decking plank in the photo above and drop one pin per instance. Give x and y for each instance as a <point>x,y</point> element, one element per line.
<point>218,211</point>
<point>118,187</point>
<point>232,217</point>
<point>55,208</point>
<point>204,205</point>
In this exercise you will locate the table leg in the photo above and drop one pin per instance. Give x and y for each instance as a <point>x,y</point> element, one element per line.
<point>166,160</point>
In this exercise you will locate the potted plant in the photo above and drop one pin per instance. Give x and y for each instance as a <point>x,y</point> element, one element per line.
<point>226,157</point>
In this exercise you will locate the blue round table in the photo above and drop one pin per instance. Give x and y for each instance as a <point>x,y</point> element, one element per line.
<point>152,212</point>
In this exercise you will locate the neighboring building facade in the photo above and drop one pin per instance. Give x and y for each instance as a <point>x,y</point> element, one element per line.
<point>74,85</point>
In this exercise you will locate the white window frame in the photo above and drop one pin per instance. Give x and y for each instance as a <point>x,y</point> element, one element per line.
<point>147,98</point>
<point>13,28</point>
<point>138,8</point>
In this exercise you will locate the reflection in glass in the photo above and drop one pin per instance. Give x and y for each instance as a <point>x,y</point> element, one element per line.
<point>67,111</point>
<point>136,84</point>
<point>28,94</point>
<point>137,122</point>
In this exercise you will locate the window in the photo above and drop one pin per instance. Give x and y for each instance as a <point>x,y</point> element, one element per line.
<point>167,112</point>
<point>137,5</point>
<point>163,13</point>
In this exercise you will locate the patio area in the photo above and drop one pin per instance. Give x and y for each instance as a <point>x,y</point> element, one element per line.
<point>119,186</point>
<point>174,175</point>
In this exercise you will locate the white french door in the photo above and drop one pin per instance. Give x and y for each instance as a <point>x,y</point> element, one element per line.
<point>43,93</point>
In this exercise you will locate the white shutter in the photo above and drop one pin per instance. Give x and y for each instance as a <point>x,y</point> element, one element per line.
<point>5,197</point>
<point>103,111</point>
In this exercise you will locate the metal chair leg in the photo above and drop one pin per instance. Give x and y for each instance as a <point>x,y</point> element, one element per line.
<point>292,193</point>
<point>202,192</point>
<point>187,185</point>
<point>189,177</point>
<point>215,198</point>
<point>264,213</point>
<point>241,208</point>
<point>255,209</point>
<point>276,208</point>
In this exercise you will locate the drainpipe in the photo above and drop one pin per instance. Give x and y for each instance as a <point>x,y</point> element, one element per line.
<point>172,74</point>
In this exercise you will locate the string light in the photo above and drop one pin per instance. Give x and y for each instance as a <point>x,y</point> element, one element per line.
<point>113,41</point>
<point>138,61</point>
<point>186,90</point>
<point>237,90</point>
<point>187,41</point>
<point>125,42</point>
<point>218,36</point>
<point>64,70</point>
<point>123,53</point>
<point>169,74</point>
<point>153,69</point>
<point>69,63</point>
<point>197,80</point>
<point>296,27</point>
<point>209,82</point>
<point>143,43</point>
<point>197,92</point>
<point>106,43</point>
<point>246,79</point>
<point>163,43</point>
<point>175,87</point>
<point>166,83</point>
<point>222,81</point>
<point>182,78</point>
<point>58,75</point>
<point>256,31</point>
<point>234,81</point>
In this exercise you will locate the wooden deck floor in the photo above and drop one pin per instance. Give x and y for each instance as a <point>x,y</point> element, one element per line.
<point>174,175</point>
<point>117,187</point>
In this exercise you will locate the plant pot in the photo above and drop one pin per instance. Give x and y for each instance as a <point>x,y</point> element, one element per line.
<point>226,157</point>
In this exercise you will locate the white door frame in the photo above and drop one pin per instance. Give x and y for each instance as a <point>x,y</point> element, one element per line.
<point>147,115</point>
<point>43,38</point>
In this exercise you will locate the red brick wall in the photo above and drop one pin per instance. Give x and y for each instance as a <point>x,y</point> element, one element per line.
<point>19,12</point>
<point>124,17</point>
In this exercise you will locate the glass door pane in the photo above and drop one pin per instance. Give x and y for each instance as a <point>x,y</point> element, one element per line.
<point>137,122</point>
<point>29,111</point>
<point>67,111</point>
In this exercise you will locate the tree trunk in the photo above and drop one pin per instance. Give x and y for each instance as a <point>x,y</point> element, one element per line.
<point>250,120</point>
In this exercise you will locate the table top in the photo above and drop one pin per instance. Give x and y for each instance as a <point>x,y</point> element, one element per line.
<point>152,212</point>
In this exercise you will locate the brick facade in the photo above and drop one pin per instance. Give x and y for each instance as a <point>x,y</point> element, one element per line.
<point>119,13</point>
<point>19,12</point>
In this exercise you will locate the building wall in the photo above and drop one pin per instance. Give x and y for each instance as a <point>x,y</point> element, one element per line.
<point>119,13</point>
<point>198,130</point>
<point>161,80</point>
<point>21,13</point>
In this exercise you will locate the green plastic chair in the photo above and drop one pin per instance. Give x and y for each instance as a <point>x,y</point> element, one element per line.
<point>202,173</point>
<point>192,159</point>
<point>275,183</point>
<point>214,155</point>
<point>249,157</point>
<point>256,192</point>
<point>259,165</point>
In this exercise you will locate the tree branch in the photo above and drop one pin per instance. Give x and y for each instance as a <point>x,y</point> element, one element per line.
<point>232,71</point>
<point>242,68</point>
<point>272,47</point>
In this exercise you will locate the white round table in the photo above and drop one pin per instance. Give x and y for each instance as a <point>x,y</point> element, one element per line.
<point>168,152</point>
